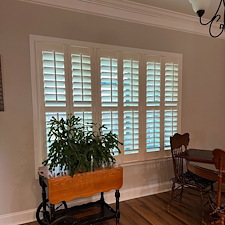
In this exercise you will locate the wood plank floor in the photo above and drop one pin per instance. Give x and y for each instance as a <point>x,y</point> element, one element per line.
<point>151,210</point>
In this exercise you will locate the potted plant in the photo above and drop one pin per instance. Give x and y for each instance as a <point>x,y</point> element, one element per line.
<point>76,147</point>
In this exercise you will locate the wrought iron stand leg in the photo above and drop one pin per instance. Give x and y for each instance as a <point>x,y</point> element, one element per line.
<point>102,201</point>
<point>52,212</point>
<point>117,195</point>
<point>44,197</point>
<point>102,198</point>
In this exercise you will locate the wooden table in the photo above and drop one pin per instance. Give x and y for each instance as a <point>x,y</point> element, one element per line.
<point>200,162</point>
<point>197,155</point>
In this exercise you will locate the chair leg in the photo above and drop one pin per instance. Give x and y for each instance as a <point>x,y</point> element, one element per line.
<point>221,220</point>
<point>202,205</point>
<point>181,192</point>
<point>212,187</point>
<point>171,196</point>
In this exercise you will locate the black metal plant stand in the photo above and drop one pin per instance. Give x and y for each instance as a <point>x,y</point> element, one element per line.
<point>86,214</point>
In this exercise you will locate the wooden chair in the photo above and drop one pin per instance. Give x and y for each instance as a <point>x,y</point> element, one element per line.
<point>217,199</point>
<point>184,178</point>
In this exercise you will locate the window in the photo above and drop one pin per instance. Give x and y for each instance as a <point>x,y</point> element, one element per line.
<point>134,92</point>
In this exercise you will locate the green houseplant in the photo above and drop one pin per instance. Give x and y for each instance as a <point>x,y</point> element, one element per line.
<point>76,147</point>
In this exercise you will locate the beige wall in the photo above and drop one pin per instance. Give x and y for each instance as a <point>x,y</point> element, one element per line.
<point>203,106</point>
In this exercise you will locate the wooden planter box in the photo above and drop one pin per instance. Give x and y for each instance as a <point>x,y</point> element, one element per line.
<point>66,188</point>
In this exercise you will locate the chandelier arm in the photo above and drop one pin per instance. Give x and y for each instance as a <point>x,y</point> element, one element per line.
<point>199,7</point>
<point>216,19</point>
<point>210,32</point>
<point>223,14</point>
<point>210,21</point>
<point>215,15</point>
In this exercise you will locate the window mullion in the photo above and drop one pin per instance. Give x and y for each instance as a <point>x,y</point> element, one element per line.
<point>120,103</point>
<point>96,86</point>
<point>68,77</point>
<point>179,94</point>
<point>142,106</point>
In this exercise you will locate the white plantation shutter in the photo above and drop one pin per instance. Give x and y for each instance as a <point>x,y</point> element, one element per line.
<point>153,103</point>
<point>54,78</point>
<point>109,81</point>
<point>134,92</point>
<point>108,66</point>
<point>111,121</point>
<point>81,77</point>
<point>131,132</point>
<point>170,126</point>
<point>130,82</point>
<point>153,83</point>
<point>152,130</point>
<point>130,62</point>
<point>53,83</point>
<point>48,117</point>
<point>171,101</point>
<point>171,84</point>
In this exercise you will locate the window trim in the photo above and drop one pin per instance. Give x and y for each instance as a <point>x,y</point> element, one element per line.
<point>38,123</point>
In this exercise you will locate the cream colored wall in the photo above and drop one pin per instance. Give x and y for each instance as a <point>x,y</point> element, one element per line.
<point>203,106</point>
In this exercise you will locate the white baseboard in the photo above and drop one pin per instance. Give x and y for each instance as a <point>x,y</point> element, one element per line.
<point>125,194</point>
<point>18,217</point>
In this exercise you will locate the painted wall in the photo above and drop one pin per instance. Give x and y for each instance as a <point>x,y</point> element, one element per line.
<point>203,106</point>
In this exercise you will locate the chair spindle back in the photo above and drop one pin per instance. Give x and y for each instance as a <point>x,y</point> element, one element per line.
<point>178,145</point>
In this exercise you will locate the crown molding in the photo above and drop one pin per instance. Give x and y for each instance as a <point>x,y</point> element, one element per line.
<point>132,12</point>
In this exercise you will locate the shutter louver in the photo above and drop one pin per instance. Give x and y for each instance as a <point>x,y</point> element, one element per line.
<point>54,79</point>
<point>81,80</point>
<point>130,82</point>
<point>171,102</point>
<point>152,130</point>
<point>109,81</point>
<point>131,132</point>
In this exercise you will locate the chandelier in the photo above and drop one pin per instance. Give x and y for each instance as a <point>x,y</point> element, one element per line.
<point>199,7</point>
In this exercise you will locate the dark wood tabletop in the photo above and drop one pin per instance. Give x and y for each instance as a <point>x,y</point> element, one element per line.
<point>200,162</point>
<point>197,155</point>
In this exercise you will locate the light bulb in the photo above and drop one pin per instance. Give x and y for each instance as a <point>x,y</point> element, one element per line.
<point>199,4</point>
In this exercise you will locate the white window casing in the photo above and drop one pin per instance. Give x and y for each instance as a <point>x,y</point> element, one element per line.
<point>136,93</point>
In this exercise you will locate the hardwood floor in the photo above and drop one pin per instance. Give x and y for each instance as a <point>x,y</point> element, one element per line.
<point>151,210</point>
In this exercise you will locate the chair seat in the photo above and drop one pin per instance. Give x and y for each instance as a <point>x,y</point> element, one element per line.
<point>213,199</point>
<point>189,178</point>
